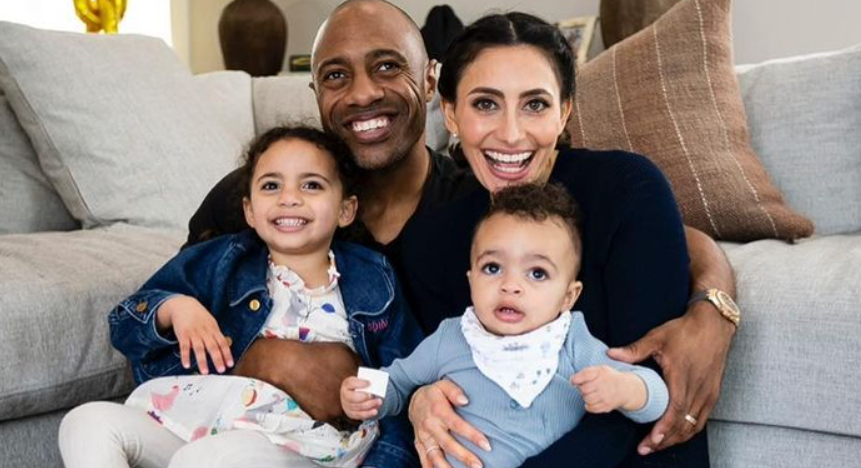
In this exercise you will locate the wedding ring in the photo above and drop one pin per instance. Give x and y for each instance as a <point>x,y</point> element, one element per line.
<point>691,419</point>
<point>431,449</point>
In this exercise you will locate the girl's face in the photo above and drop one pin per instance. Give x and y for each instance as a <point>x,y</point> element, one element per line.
<point>508,115</point>
<point>297,200</point>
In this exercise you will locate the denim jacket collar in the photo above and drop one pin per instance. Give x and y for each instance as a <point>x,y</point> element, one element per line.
<point>366,285</point>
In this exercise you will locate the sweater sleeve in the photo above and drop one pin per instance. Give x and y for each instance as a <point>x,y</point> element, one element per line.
<point>419,368</point>
<point>587,351</point>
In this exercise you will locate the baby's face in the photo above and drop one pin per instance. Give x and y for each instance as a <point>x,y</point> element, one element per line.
<point>522,273</point>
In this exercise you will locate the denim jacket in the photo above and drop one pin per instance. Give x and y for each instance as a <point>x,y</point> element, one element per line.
<point>228,276</point>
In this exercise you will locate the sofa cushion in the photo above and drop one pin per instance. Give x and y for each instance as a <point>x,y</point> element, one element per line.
<point>805,116</point>
<point>57,291</point>
<point>121,128</point>
<point>27,200</point>
<point>280,100</point>
<point>669,92</point>
<point>796,359</point>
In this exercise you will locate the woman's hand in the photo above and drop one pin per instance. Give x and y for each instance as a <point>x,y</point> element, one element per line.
<point>692,352</point>
<point>357,404</point>
<point>195,329</point>
<point>433,416</point>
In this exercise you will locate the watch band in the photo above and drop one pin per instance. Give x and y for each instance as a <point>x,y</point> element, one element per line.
<point>722,302</point>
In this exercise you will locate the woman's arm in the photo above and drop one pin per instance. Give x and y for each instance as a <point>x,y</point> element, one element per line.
<point>692,350</point>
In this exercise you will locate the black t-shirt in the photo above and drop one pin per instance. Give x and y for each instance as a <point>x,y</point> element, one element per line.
<point>221,211</point>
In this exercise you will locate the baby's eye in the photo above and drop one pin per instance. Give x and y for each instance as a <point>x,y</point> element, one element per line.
<point>537,105</point>
<point>538,274</point>
<point>484,104</point>
<point>491,269</point>
<point>269,186</point>
<point>312,185</point>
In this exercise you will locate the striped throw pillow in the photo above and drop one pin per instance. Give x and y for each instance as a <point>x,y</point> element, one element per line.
<point>670,93</point>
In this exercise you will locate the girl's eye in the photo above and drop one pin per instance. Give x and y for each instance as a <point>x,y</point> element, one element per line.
<point>537,105</point>
<point>312,185</point>
<point>484,104</point>
<point>538,274</point>
<point>491,268</point>
<point>269,186</point>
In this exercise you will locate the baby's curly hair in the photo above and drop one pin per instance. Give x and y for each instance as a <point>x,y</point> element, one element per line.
<point>539,203</point>
<point>348,172</point>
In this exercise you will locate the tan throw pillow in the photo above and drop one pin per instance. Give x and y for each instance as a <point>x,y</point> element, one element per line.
<point>670,93</point>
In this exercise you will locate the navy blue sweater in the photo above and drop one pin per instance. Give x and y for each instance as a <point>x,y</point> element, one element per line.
<point>634,272</point>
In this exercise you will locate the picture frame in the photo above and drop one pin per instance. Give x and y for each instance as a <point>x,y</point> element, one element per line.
<point>579,32</point>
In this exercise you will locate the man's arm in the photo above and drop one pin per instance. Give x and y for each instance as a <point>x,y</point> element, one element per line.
<point>311,373</point>
<point>692,350</point>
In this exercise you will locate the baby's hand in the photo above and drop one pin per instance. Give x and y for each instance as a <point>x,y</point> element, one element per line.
<point>357,404</point>
<point>605,389</point>
<point>196,329</point>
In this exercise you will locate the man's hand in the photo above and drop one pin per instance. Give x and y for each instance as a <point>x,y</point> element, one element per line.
<point>311,373</point>
<point>358,404</point>
<point>606,389</point>
<point>433,417</point>
<point>692,352</point>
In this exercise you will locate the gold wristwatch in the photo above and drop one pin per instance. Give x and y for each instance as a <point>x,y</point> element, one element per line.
<point>721,300</point>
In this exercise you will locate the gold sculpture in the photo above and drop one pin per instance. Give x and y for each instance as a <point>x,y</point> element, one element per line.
<point>101,15</point>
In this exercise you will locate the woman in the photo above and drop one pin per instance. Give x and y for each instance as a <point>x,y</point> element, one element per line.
<point>507,85</point>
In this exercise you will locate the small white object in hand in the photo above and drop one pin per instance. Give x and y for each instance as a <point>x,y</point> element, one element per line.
<point>379,381</point>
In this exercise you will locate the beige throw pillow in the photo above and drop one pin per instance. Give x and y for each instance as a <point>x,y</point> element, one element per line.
<point>670,93</point>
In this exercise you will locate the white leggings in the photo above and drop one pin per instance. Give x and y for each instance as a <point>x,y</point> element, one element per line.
<point>105,434</point>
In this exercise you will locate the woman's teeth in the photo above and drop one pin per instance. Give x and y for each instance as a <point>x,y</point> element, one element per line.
<point>368,125</point>
<point>513,162</point>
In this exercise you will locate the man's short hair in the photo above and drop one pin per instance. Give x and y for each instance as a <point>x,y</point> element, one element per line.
<point>539,203</point>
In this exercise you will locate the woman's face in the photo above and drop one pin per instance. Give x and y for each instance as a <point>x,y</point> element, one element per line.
<point>508,115</point>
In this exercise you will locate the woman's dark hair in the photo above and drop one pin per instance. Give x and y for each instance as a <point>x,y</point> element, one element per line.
<point>348,172</point>
<point>510,29</point>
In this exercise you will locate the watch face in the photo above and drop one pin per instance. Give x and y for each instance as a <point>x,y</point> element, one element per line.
<point>727,303</point>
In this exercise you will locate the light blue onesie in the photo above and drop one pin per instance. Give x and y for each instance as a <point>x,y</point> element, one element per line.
<point>515,433</point>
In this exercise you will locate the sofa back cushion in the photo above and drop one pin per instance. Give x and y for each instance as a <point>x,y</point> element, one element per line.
<point>805,125</point>
<point>669,92</point>
<point>28,203</point>
<point>121,128</point>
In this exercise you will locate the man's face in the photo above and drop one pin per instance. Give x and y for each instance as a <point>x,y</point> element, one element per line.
<point>372,81</point>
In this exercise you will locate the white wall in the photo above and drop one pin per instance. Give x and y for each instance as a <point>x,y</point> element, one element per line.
<point>762,29</point>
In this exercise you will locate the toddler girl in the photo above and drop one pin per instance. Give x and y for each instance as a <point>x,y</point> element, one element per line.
<point>286,279</point>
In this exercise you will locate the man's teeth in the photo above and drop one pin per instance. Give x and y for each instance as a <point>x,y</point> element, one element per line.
<point>503,158</point>
<point>291,222</point>
<point>368,125</point>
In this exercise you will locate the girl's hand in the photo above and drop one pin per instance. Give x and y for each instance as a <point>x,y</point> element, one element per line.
<point>358,405</point>
<point>606,389</point>
<point>195,328</point>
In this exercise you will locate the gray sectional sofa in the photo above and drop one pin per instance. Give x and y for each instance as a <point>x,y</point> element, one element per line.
<point>106,148</point>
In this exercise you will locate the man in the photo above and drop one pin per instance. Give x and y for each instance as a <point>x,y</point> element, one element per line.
<point>373,81</point>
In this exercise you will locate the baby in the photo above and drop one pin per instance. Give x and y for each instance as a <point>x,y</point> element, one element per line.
<point>529,363</point>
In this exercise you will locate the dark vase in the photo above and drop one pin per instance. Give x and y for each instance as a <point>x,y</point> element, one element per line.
<point>253,35</point>
<point>622,18</point>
